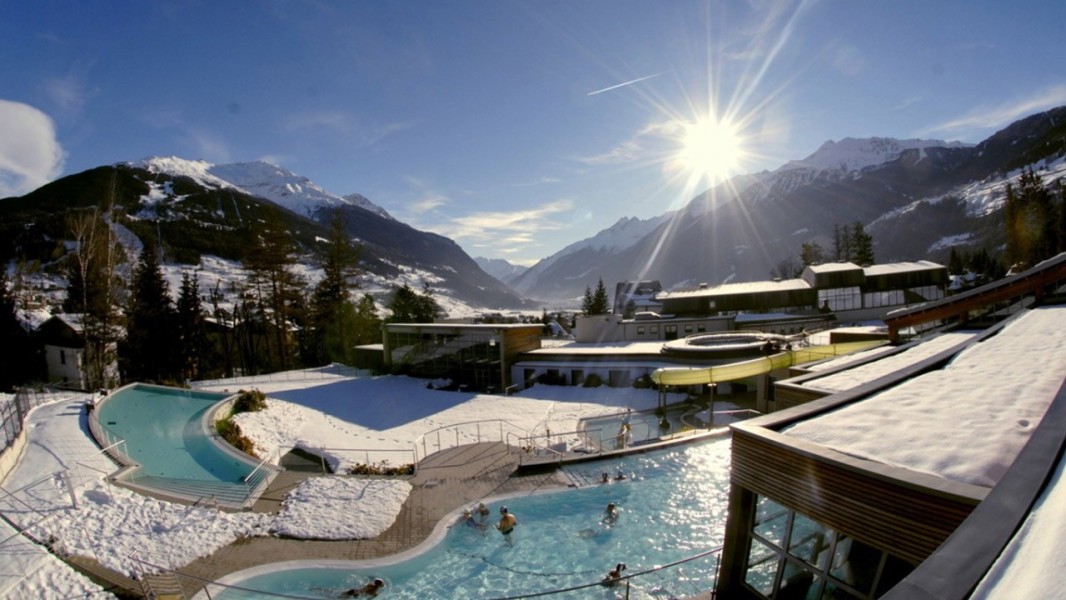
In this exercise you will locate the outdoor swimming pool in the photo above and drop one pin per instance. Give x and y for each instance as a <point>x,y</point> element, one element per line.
<point>673,506</point>
<point>165,433</point>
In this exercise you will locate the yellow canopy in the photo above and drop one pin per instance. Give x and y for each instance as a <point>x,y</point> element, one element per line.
<point>757,366</point>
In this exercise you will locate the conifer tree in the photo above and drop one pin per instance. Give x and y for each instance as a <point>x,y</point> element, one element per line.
<point>276,288</point>
<point>862,246</point>
<point>148,351</point>
<point>601,305</point>
<point>586,302</point>
<point>334,319</point>
<point>18,354</point>
<point>191,331</point>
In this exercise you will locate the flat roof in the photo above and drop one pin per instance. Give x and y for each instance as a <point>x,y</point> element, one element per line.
<point>747,287</point>
<point>902,267</point>
<point>966,422</point>
<point>602,348</point>
<point>834,267</point>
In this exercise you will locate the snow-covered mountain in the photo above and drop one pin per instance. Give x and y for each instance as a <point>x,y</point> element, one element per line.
<point>855,154</point>
<point>916,197</point>
<point>257,178</point>
<point>500,268</point>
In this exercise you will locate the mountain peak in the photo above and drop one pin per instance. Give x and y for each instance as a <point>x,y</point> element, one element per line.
<point>259,178</point>
<point>855,154</point>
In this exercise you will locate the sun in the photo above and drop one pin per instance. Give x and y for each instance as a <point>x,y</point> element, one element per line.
<point>710,149</point>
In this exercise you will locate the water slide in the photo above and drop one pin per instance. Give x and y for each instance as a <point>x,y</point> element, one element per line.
<point>756,366</point>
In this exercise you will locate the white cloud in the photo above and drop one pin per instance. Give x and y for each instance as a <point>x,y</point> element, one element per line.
<point>342,122</point>
<point>509,227</point>
<point>984,118</point>
<point>69,93</point>
<point>30,154</point>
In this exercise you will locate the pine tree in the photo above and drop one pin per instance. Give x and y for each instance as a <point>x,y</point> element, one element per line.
<point>19,358</point>
<point>600,305</point>
<point>811,253</point>
<point>367,322</point>
<point>191,330</point>
<point>1030,221</point>
<point>862,246</point>
<point>334,320</point>
<point>148,351</point>
<point>586,302</point>
<point>841,243</point>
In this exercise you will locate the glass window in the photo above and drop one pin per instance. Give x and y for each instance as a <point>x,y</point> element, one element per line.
<point>771,521</point>
<point>654,329</point>
<point>798,583</point>
<point>834,591</point>
<point>640,330</point>
<point>762,568</point>
<point>810,541</point>
<point>855,564</point>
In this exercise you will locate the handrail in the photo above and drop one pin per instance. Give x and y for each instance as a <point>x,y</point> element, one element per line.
<point>262,464</point>
<point>457,427</point>
<point>623,579</point>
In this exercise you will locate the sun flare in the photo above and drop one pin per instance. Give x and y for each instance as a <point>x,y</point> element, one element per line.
<point>710,149</point>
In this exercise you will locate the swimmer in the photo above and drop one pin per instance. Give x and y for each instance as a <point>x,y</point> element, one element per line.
<point>606,477</point>
<point>482,510</point>
<point>610,514</point>
<point>371,589</point>
<point>470,521</point>
<point>620,476</point>
<point>507,521</point>
<point>615,575</point>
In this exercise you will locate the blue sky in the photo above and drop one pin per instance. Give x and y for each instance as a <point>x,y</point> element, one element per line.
<point>514,128</point>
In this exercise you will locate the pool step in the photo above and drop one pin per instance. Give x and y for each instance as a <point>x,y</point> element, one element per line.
<point>225,493</point>
<point>581,478</point>
<point>162,586</point>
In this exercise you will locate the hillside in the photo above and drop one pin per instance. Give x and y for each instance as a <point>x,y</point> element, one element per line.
<point>918,198</point>
<point>196,211</point>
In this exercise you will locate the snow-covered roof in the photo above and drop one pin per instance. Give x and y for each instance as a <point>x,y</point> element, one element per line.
<point>746,287</point>
<point>901,267</point>
<point>834,267</point>
<point>977,412</point>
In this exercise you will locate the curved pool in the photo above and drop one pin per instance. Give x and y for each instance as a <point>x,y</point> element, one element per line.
<point>167,434</point>
<point>673,506</point>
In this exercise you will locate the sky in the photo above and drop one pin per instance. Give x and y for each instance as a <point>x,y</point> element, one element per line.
<point>514,128</point>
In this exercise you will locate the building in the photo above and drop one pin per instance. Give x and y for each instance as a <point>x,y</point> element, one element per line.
<point>68,360</point>
<point>473,356</point>
<point>909,480</point>
<point>823,295</point>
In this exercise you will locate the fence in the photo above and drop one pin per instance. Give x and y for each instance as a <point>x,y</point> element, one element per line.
<point>333,372</point>
<point>13,413</point>
<point>459,434</point>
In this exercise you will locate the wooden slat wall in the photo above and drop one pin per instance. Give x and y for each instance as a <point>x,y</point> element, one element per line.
<point>787,395</point>
<point>893,517</point>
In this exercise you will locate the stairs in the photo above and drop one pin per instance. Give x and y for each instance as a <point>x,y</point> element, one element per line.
<point>163,586</point>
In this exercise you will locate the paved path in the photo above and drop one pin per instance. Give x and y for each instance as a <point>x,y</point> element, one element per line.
<point>445,482</point>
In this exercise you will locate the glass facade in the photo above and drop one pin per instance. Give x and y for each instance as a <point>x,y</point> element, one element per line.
<point>792,556</point>
<point>470,358</point>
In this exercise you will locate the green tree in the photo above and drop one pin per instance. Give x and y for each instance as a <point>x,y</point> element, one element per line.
<point>862,246</point>
<point>334,320</point>
<point>276,288</point>
<point>601,305</point>
<point>586,302</point>
<point>192,346</point>
<point>811,253</point>
<point>1031,222</point>
<point>408,306</point>
<point>367,321</point>
<point>19,358</point>
<point>147,353</point>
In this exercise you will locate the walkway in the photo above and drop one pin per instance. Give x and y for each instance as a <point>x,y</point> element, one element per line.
<point>445,482</point>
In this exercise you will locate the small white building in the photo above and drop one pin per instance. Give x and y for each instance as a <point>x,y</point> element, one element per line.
<point>67,357</point>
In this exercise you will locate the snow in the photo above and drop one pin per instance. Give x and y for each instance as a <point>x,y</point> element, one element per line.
<point>337,408</point>
<point>977,412</point>
<point>851,154</point>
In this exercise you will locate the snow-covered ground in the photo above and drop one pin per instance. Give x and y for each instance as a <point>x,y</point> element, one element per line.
<point>976,413</point>
<point>337,409</point>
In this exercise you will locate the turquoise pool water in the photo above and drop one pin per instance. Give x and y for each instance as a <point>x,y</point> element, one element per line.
<point>673,506</point>
<point>164,432</point>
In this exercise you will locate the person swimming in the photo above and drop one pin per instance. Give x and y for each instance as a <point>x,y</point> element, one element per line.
<point>371,589</point>
<point>470,521</point>
<point>615,575</point>
<point>507,521</point>
<point>610,514</point>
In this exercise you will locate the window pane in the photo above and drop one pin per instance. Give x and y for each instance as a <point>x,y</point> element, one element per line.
<point>797,583</point>
<point>855,564</point>
<point>771,521</point>
<point>835,592</point>
<point>893,572</point>
<point>761,568</point>
<point>810,541</point>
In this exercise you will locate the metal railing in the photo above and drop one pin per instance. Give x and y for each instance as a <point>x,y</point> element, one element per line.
<point>663,580</point>
<point>459,434</point>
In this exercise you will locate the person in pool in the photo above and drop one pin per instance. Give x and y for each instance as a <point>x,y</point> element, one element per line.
<point>470,521</point>
<point>615,575</point>
<point>507,521</point>
<point>610,514</point>
<point>370,590</point>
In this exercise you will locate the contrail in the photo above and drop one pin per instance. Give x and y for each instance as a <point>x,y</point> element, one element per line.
<point>631,82</point>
